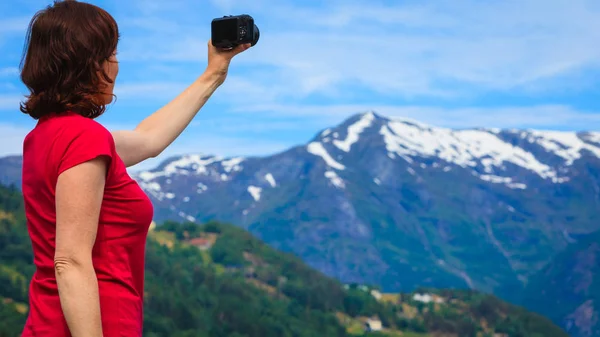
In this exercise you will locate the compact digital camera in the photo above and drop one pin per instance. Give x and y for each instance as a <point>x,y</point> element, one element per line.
<point>230,31</point>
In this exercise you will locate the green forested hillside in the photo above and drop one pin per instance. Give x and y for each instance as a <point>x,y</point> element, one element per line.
<point>16,265</point>
<point>217,280</point>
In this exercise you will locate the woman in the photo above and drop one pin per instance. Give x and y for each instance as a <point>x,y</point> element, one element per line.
<point>87,219</point>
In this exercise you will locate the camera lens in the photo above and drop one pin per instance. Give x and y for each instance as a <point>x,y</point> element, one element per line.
<point>256,35</point>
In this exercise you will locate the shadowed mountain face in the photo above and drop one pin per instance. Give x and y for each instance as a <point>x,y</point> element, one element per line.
<point>401,204</point>
<point>567,290</point>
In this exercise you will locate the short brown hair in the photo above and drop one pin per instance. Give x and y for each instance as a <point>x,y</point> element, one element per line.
<point>66,46</point>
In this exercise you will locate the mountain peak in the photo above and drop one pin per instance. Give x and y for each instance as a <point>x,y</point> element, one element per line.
<point>490,154</point>
<point>343,137</point>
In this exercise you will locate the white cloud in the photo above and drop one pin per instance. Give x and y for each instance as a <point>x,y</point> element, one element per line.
<point>14,25</point>
<point>12,139</point>
<point>535,117</point>
<point>540,116</point>
<point>154,90</point>
<point>10,102</point>
<point>442,49</point>
<point>9,71</point>
<point>215,145</point>
<point>249,125</point>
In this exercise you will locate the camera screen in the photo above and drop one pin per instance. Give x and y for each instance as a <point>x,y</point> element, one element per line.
<point>224,30</point>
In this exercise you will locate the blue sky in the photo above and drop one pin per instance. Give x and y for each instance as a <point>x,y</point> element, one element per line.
<point>468,63</point>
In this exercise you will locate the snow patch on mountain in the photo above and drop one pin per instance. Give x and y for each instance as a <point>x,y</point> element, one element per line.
<point>563,144</point>
<point>593,137</point>
<point>465,148</point>
<point>270,179</point>
<point>151,186</point>
<point>186,216</point>
<point>255,192</point>
<point>502,180</point>
<point>232,164</point>
<point>192,163</point>
<point>335,179</point>
<point>201,188</point>
<point>318,150</point>
<point>155,190</point>
<point>354,132</point>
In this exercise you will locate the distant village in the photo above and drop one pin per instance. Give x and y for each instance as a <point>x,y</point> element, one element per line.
<point>373,324</point>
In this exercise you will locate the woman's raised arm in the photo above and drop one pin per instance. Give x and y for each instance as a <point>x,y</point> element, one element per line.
<point>156,132</point>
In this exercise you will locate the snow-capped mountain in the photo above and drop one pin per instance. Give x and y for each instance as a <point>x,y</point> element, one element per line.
<point>396,202</point>
<point>400,203</point>
<point>492,155</point>
<point>508,157</point>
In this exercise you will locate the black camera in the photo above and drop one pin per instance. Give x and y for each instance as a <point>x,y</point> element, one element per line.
<point>230,31</point>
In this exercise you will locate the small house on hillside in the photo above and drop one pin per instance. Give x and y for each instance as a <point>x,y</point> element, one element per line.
<point>201,243</point>
<point>372,325</point>
<point>427,298</point>
<point>376,294</point>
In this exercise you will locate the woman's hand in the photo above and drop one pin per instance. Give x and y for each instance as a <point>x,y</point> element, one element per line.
<point>219,60</point>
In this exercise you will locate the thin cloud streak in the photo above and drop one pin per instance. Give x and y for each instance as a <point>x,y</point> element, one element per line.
<point>149,90</point>
<point>9,72</point>
<point>14,25</point>
<point>12,139</point>
<point>226,147</point>
<point>10,102</point>
<point>537,117</point>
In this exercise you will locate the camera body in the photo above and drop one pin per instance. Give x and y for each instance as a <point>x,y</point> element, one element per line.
<point>232,30</point>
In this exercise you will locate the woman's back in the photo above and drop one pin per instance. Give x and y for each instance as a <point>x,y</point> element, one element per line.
<point>57,143</point>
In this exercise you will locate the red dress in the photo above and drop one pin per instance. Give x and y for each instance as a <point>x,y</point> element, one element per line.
<point>56,143</point>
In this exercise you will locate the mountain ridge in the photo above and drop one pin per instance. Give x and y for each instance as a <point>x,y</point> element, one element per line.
<point>355,125</point>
